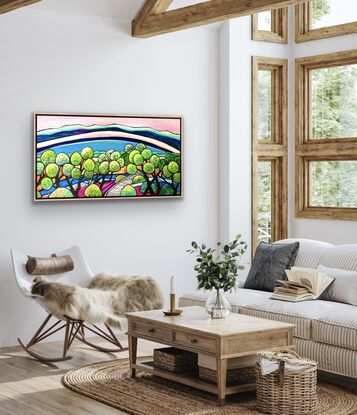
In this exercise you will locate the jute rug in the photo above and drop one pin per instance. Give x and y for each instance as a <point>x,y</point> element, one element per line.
<point>109,382</point>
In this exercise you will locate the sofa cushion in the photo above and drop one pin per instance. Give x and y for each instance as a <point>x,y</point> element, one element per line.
<point>341,257</point>
<point>337,327</point>
<point>309,253</point>
<point>344,287</point>
<point>269,264</point>
<point>301,314</point>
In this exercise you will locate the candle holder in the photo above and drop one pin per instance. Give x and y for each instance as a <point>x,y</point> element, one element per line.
<point>173,310</point>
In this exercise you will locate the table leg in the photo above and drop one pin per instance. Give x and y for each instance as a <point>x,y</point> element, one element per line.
<point>222,380</point>
<point>133,347</point>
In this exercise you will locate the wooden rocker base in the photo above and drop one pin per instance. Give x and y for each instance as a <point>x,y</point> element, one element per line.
<point>74,329</point>
<point>42,358</point>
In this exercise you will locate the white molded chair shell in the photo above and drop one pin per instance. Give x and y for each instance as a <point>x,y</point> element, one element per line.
<point>81,274</point>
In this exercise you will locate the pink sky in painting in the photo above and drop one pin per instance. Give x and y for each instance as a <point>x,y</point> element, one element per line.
<point>55,121</point>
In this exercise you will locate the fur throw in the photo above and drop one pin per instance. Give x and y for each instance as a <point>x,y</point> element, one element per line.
<point>106,299</point>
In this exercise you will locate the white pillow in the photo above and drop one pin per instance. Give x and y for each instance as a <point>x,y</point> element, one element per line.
<point>344,287</point>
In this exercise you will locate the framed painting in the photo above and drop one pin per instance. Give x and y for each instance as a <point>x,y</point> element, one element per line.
<point>81,157</point>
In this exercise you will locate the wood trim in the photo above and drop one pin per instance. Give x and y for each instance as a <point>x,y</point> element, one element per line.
<point>150,7</point>
<point>279,200</point>
<point>304,32</point>
<point>308,149</point>
<point>9,5</point>
<point>303,208</point>
<point>279,32</point>
<point>275,151</point>
<point>203,13</point>
<point>279,68</point>
<point>303,66</point>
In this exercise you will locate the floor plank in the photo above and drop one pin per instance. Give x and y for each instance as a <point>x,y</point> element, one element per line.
<point>28,387</point>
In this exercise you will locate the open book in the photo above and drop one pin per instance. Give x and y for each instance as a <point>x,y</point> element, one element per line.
<point>302,284</point>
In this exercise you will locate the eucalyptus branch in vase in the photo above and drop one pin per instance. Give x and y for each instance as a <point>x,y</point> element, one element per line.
<point>217,269</point>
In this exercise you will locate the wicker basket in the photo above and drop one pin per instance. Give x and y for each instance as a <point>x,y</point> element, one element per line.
<point>234,376</point>
<point>287,392</point>
<point>175,360</point>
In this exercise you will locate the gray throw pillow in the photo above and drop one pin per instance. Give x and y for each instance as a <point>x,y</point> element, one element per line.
<point>343,289</point>
<point>269,264</point>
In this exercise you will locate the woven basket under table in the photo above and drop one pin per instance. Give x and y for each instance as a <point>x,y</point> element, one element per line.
<point>285,392</point>
<point>237,376</point>
<point>175,360</point>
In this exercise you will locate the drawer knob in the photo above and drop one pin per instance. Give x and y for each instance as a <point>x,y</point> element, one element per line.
<point>194,340</point>
<point>151,330</point>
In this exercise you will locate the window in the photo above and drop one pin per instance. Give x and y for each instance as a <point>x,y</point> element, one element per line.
<point>326,136</point>
<point>264,104</point>
<point>265,21</point>
<point>264,179</point>
<point>332,92</point>
<point>333,183</point>
<point>271,26</point>
<point>269,149</point>
<point>319,19</point>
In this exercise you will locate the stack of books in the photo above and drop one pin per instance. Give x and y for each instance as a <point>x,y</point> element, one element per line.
<point>302,284</point>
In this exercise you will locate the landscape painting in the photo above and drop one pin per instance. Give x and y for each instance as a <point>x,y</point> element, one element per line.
<point>106,157</point>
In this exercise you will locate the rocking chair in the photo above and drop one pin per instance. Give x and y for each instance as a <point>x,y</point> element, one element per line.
<point>73,329</point>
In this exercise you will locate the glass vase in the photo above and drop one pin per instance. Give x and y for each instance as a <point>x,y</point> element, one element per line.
<point>217,305</point>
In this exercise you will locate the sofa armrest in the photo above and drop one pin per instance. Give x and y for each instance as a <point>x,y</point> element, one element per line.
<point>240,282</point>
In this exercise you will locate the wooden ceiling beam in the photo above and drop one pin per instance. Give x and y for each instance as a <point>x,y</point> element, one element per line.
<point>8,5</point>
<point>150,7</point>
<point>200,14</point>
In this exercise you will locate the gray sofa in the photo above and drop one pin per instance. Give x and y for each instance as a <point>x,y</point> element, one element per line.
<point>325,331</point>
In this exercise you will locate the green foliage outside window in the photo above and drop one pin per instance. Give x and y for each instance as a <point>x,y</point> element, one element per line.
<point>264,200</point>
<point>334,183</point>
<point>334,102</point>
<point>320,8</point>
<point>264,105</point>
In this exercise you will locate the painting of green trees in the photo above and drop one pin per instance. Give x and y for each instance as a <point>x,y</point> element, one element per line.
<point>87,157</point>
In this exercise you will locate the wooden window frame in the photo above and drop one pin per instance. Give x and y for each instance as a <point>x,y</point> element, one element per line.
<point>279,23</point>
<point>304,33</point>
<point>308,149</point>
<point>275,151</point>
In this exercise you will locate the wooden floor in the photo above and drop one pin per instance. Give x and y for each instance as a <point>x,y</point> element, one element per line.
<point>28,387</point>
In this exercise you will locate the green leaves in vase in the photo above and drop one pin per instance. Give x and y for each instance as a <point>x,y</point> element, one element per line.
<point>218,268</point>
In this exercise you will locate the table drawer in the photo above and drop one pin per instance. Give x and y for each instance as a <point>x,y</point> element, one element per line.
<point>148,330</point>
<point>197,341</point>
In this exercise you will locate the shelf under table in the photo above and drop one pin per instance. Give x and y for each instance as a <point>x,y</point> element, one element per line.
<point>192,380</point>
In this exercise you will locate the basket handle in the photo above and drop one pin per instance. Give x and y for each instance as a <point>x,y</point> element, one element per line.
<point>289,351</point>
<point>281,373</point>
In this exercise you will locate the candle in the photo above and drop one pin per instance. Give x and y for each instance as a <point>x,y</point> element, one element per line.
<point>172,290</point>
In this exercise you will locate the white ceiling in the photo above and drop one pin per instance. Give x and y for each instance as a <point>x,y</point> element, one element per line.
<point>120,9</point>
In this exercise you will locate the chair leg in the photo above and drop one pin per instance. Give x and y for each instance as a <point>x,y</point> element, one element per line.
<point>66,339</point>
<point>109,336</point>
<point>39,336</point>
<point>74,329</point>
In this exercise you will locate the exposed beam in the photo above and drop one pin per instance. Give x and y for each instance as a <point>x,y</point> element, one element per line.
<point>8,5</point>
<point>150,7</point>
<point>202,13</point>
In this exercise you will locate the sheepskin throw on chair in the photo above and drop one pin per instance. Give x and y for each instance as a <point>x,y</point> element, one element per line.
<point>105,300</point>
<point>79,303</point>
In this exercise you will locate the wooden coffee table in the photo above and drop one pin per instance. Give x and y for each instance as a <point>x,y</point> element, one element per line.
<point>233,336</point>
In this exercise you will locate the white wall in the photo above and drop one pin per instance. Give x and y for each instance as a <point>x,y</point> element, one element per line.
<point>62,62</point>
<point>236,50</point>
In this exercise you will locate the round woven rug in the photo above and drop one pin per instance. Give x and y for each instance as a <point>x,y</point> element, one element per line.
<point>109,382</point>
